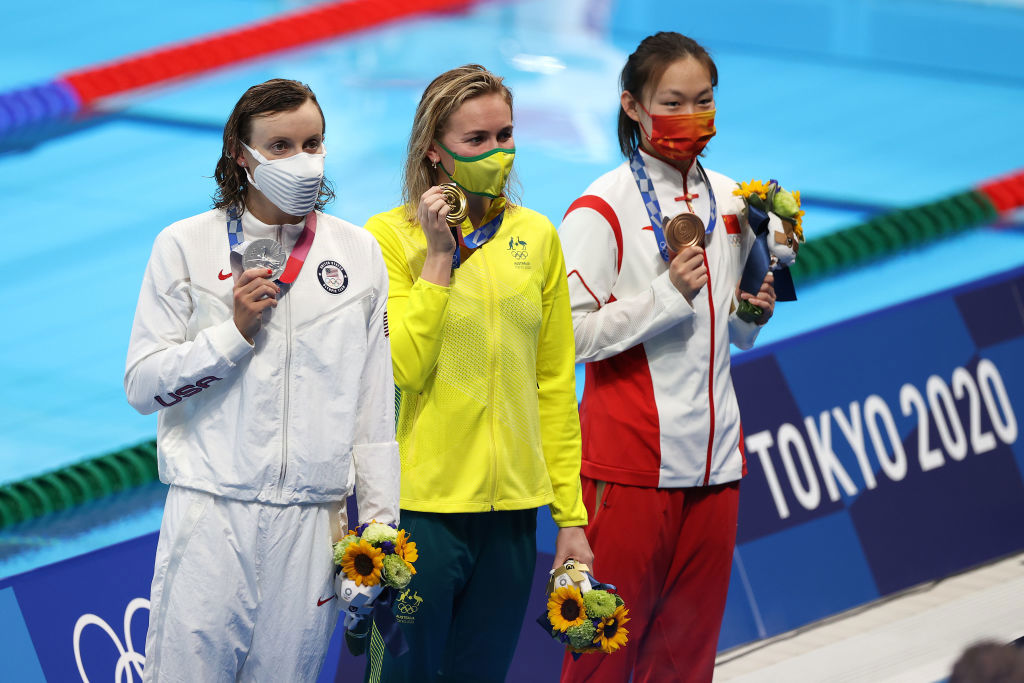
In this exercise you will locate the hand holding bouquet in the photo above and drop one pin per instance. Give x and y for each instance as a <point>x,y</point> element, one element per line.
<point>585,615</point>
<point>375,561</point>
<point>776,219</point>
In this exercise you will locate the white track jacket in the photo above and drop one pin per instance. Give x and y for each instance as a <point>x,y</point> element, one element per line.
<point>658,405</point>
<point>282,420</point>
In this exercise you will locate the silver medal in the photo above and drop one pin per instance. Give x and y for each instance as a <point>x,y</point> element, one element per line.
<point>265,253</point>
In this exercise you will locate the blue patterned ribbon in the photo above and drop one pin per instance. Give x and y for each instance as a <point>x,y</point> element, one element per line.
<point>384,620</point>
<point>477,238</point>
<point>234,228</point>
<point>650,197</point>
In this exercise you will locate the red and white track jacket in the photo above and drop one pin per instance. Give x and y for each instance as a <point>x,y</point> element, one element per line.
<point>658,406</point>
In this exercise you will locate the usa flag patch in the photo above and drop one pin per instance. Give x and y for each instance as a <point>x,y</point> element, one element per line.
<point>386,333</point>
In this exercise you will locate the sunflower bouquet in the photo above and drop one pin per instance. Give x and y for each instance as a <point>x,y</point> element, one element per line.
<point>772,197</point>
<point>374,561</point>
<point>583,614</point>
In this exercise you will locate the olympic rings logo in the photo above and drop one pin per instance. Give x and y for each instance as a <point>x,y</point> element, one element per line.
<point>407,609</point>
<point>129,657</point>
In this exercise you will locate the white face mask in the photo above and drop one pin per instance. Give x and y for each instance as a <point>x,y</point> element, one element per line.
<point>291,184</point>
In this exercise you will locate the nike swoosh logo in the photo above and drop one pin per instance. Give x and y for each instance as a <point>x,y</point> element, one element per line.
<point>322,602</point>
<point>222,276</point>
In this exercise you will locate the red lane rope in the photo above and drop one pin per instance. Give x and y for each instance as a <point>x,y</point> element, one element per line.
<point>253,40</point>
<point>1007,192</point>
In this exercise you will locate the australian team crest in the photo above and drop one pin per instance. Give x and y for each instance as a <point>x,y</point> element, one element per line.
<point>517,249</point>
<point>332,277</point>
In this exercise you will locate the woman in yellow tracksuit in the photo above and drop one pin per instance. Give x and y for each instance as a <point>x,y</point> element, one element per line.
<point>482,344</point>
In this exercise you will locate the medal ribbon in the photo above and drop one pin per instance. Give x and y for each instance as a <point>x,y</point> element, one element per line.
<point>478,237</point>
<point>296,258</point>
<point>650,197</point>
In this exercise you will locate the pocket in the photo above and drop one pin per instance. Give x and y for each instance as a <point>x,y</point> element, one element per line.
<point>193,505</point>
<point>208,310</point>
<point>596,496</point>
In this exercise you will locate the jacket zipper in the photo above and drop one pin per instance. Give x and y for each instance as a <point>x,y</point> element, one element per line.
<point>711,376</point>
<point>711,309</point>
<point>490,403</point>
<point>287,380</point>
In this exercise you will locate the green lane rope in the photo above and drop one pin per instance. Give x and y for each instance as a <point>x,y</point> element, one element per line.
<point>68,487</point>
<point>883,235</point>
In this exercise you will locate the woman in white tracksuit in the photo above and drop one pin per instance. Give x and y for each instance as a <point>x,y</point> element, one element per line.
<point>275,399</point>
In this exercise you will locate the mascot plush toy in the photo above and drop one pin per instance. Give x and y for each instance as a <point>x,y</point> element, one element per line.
<point>775,216</point>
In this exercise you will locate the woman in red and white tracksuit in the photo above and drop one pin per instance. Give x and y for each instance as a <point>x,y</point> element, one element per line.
<point>662,441</point>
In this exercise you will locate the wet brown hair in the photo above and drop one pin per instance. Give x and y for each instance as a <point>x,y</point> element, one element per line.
<point>645,67</point>
<point>275,95</point>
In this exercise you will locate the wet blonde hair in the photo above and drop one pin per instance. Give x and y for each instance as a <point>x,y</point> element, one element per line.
<point>440,100</point>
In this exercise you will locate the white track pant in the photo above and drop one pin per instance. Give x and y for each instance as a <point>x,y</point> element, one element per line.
<point>241,591</point>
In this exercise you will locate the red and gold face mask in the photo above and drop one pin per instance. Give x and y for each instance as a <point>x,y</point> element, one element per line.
<point>680,136</point>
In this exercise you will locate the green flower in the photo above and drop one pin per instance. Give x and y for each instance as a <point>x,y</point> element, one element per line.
<point>599,604</point>
<point>342,545</point>
<point>582,635</point>
<point>396,572</point>
<point>785,204</point>
<point>376,533</point>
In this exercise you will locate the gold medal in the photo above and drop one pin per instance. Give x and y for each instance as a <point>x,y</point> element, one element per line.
<point>457,205</point>
<point>684,230</point>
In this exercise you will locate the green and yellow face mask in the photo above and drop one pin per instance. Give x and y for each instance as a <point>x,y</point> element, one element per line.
<point>485,174</point>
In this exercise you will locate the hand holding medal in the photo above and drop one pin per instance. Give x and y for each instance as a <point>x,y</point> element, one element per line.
<point>440,213</point>
<point>684,230</point>
<point>684,235</point>
<point>458,207</point>
<point>264,261</point>
<point>254,293</point>
<point>265,253</point>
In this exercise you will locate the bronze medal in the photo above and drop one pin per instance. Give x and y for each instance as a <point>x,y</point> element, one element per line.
<point>684,230</point>
<point>458,206</point>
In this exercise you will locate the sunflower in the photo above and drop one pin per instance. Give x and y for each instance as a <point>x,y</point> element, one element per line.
<point>565,608</point>
<point>406,550</point>
<point>798,225</point>
<point>754,187</point>
<point>362,563</point>
<point>611,634</point>
<point>798,219</point>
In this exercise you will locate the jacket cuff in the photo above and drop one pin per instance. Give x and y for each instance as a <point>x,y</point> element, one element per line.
<point>669,298</point>
<point>378,474</point>
<point>229,342</point>
<point>571,521</point>
<point>742,333</point>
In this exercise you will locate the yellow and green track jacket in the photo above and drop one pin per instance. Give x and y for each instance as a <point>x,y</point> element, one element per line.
<point>488,417</point>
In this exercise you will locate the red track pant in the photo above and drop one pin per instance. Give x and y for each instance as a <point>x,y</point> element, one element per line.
<point>669,553</point>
